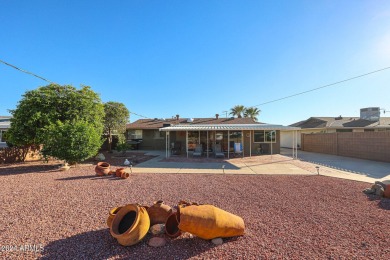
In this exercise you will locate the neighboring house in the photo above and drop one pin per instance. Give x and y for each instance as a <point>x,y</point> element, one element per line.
<point>5,124</point>
<point>369,121</point>
<point>181,136</point>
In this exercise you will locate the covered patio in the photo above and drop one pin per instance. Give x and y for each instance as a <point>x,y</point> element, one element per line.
<point>232,140</point>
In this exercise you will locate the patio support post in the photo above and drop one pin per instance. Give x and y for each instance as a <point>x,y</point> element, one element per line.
<point>294,144</point>
<point>187,143</point>
<point>207,144</point>
<point>271,145</point>
<point>242,141</point>
<point>250,143</point>
<point>229,143</point>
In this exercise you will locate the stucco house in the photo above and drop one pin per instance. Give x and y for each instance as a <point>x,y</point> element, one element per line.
<point>180,136</point>
<point>369,121</point>
<point>5,124</point>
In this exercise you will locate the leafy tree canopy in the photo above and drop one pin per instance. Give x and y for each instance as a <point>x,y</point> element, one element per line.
<point>72,141</point>
<point>46,105</point>
<point>45,114</point>
<point>242,111</point>
<point>115,120</point>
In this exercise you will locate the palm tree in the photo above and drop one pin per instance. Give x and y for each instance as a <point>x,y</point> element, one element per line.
<point>237,111</point>
<point>252,112</point>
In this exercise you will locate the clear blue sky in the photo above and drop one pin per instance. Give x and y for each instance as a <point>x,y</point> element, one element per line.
<point>199,58</point>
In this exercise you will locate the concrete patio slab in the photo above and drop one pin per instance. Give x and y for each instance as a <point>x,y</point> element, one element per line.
<point>329,165</point>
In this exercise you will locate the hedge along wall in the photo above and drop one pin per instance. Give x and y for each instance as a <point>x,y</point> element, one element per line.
<point>364,145</point>
<point>19,154</point>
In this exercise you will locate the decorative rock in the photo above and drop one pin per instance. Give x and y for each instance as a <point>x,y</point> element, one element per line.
<point>381,184</point>
<point>379,190</point>
<point>65,167</point>
<point>157,229</point>
<point>157,242</point>
<point>100,157</point>
<point>217,241</point>
<point>369,191</point>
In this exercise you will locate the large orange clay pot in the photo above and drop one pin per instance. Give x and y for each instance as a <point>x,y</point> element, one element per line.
<point>102,168</point>
<point>111,215</point>
<point>119,172</point>
<point>159,212</point>
<point>208,222</point>
<point>386,194</point>
<point>130,225</point>
<point>125,175</point>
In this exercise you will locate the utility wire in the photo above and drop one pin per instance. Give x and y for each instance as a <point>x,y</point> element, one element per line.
<point>314,89</point>
<point>51,82</point>
<point>27,72</point>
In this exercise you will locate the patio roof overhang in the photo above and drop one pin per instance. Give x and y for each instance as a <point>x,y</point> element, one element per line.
<point>227,127</point>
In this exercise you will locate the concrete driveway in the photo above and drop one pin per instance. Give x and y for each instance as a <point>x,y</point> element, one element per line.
<point>372,170</point>
<point>333,166</point>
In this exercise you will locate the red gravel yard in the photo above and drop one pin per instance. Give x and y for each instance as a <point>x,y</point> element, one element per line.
<point>53,214</point>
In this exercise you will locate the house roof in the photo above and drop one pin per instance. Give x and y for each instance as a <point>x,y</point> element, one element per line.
<point>341,122</point>
<point>5,122</point>
<point>159,123</point>
<point>231,127</point>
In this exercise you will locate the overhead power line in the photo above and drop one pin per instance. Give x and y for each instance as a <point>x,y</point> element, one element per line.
<point>51,82</point>
<point>27,72</point>
<point>325,86</point>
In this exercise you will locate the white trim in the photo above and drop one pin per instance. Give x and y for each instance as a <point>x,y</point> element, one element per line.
<point>221,127</point>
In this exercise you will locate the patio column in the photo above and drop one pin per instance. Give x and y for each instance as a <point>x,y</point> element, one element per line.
<point>228,143</point>
<point>242,142</point>
<point>250,143</point>
<point>207,143</point>
<point>187,143</point>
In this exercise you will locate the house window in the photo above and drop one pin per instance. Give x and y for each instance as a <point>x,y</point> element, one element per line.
<point>343,130</point>
<point>134,134</point>
<point>262,136</point>
<point>258,136</point>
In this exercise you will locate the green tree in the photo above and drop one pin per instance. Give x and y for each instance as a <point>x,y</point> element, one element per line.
<point>237,111</point>
<point>252,112</point>
<point>115,120</point>
<point>72,141</point>
<point>40,111</point>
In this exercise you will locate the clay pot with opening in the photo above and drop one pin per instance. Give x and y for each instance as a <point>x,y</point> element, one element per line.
<point>130,224</point>
<point>386,194</point>
<point>172,225</point>
<point>205,221</point>
<point>159,212</point>
<point>119,172</point>
<point>125,175</point>
<point>111,215</point>
<point>102,168</point>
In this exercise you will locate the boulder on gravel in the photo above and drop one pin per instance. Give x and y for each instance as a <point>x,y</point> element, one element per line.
<point>157,242</point>
<point>217,241</point>
<point>157,229</point>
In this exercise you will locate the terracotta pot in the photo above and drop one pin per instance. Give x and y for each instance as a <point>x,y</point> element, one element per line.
<point>130,225</point>
<point>172,225</point>
<point>102,168</point>
<point>125,175</point>
<point>119,172</point>
<point>159,212</point>
<point>208,222</point>
<point>386,194</point>
<point>111,215</point>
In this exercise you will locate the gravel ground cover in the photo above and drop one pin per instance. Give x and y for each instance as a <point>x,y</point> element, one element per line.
<point>53,214</point>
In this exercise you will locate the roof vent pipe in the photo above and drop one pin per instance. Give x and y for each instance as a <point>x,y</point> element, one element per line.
<point>216,116</point>
<point>177,117</point>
